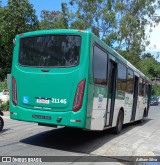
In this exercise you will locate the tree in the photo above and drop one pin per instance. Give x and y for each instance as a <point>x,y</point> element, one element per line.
<point>155,89</point>
<point>54,19</point>
<point>120,23</point>
<point>17,17</point>
<point>149,66</point>
<point>96,15</point>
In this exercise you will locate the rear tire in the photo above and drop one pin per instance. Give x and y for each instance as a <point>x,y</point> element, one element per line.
<point>1,123</point>
<point>119,124</point>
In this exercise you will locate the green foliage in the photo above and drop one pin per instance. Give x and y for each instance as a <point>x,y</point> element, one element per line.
<point>3,85</point>
<point>96,15</point>
<point>54,19</point>
<point>133,58</point>
<point>121,23</point>
<point>5,106</point>
<point>155,90</point>
<point>17,17</point>
<point>149,66</point>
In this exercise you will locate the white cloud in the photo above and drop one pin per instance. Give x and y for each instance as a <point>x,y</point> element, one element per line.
<point>155,38</point>
<point>154,46</point>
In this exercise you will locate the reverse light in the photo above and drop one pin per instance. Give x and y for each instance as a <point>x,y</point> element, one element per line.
<point>78,99</point>
<point>14,91</point>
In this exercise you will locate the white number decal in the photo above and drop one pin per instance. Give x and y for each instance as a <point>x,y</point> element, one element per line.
<point>59,101</point>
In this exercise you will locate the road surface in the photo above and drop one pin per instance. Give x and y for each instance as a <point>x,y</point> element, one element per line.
<point>28,139</point>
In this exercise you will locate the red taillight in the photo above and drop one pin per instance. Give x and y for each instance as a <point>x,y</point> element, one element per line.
<point>78,99</point>
<point>14,91</point>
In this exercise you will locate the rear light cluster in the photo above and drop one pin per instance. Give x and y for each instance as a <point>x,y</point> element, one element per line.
<point>78,99</point>
<point>14,91</point>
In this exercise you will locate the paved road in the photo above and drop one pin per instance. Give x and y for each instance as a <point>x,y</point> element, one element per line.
<point>27,139</point>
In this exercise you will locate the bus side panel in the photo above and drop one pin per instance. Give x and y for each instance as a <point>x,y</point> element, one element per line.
<point>99,108</point>
<point>128,107</point>
<point>90,85</point>
<point>142,104</point>
<point>119,103</point>
<point>89,105</point>
<point>97,98</point>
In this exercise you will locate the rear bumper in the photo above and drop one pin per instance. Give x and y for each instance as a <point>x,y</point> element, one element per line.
<point>69,118</point>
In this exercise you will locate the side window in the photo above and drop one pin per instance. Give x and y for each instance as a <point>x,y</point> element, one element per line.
<point>122,77</point>
<point>141,87</point>
<point>130,81</point>
<point>100,66</point>
<point>146,90</point>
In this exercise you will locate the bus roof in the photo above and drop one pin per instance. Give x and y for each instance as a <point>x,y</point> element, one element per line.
<point>53,31</point>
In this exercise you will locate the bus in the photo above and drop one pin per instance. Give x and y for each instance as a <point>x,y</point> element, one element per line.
<point>71,78</point>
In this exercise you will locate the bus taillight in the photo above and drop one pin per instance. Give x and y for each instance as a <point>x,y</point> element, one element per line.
<point>78,99</point>
<point>14,91</point>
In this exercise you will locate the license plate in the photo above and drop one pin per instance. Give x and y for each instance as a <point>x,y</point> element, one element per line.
<point>43,101</point>
<point>42,117</point>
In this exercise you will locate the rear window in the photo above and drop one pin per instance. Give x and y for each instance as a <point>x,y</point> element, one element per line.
<point>50,51</point>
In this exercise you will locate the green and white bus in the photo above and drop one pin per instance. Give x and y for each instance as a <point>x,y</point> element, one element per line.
<point>71,78</point>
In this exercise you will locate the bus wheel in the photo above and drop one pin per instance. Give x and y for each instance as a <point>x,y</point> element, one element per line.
<point>1,123</point>
<point>119,124</point>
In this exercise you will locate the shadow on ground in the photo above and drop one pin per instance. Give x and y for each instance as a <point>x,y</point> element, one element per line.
<point>76,140</point>
<point>4,130</point>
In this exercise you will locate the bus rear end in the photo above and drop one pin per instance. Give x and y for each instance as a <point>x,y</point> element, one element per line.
<point>49,78</point>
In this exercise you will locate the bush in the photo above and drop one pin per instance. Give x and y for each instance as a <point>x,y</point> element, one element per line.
<point>3,85</point>
<point>156,89</point>
<point>5,106</point>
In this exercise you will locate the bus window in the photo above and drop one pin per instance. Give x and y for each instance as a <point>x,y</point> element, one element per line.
<point>146,89</point>
<point>130,81</point>
<point>50,51</point>
<point>100,66</point>
<point>141,87</point>
<point>122,77</point>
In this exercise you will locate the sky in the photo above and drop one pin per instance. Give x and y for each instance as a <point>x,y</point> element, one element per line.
<point>154,47</point>
<point>40,5</point>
